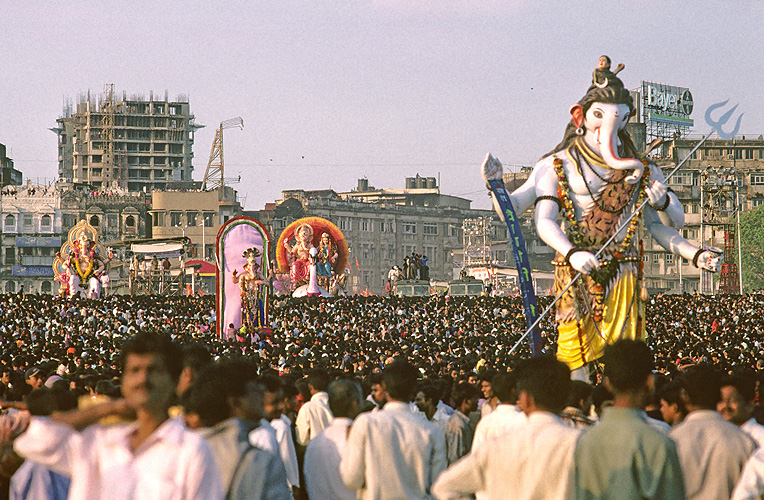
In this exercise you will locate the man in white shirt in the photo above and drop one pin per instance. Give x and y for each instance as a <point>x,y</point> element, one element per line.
<point>537,463</point>
<point>737,405</point>
<point>393,453</point>
<point>428,402</point>
<point>154,458</point>
<point>273,408</point>
<point>712,452</point>
<point>322,458</point>
<point>505,418</point>
<point>314,415</point>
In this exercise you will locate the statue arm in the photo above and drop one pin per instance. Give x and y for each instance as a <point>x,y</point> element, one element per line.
<point>550,231</point>
<point>670,239</point>
<point>657,194</point>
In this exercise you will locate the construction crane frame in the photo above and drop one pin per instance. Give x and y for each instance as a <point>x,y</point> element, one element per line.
<point>214,175</point>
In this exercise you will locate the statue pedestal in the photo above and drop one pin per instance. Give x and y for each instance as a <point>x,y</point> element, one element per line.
<point>302,291</point>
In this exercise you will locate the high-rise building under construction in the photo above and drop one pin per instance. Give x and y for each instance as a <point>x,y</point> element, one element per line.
<point>134,144</point>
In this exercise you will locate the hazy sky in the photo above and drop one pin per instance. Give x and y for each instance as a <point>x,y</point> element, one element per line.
<point>332,91</point>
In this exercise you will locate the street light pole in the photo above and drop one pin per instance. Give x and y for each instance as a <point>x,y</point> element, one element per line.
<point>204,246</point>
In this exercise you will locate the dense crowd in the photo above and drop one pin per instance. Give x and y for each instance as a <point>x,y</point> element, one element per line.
<point>318,354</point>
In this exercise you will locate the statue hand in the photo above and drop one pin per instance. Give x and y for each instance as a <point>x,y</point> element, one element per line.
<point>711,260</point>
<point>491,168</point>
<point>584,262</point>
<point>656,193</point>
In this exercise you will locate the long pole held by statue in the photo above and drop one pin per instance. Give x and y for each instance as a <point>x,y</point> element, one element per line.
<point>715,127</point>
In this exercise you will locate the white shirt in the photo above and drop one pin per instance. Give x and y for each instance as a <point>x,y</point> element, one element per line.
<point>172,464</point>
<point>751,484</point>
<point>264,437</point>
<point>755,430</point>
<point>393,454</point>
<point>503,419</point>
<point>322,463</point>
<point>283,428</point>
<point>313,417</point>
<point>537,463</point>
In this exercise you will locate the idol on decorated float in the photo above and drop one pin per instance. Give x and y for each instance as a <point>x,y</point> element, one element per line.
<point>322,239</point>
<point>584,192</point>
<point>79,266</point>
<point>251,284</point>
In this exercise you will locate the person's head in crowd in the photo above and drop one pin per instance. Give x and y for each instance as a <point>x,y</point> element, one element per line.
<point>345,398</point>
<point>400,381</point>
<point>34,377</point>
<point>195,357</point>
<point>543,384</point>
<point>702,387</point>
<point>427,400</point>
<point>738,392</point>
<point>504,386</point>
<point>289,391</point>
<point>303,393</point>
<point>629,372</point>
<point>44,402</point>
<point>273,399</point>
<point>580,396</point>
<point>486,385</point>
<point>378,393</point>
<point>601,398</point>
<point>466,396</point>
<point>318,381</point>
<point>472,378</point>
<point>672,407</point>
<point>151,365</point>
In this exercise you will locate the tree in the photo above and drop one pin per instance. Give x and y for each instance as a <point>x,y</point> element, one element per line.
<point>752,235</point>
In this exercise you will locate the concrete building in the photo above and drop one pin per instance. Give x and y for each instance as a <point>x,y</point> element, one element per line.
<point>382,226</point>
<point>9,176</point>
<point>133,144</point>
<point>31,222</point>
<point>194,214</point>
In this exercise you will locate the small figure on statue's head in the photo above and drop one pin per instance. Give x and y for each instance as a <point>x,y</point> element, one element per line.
<point>603,77</point>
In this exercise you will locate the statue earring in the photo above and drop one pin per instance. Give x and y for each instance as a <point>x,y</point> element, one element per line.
<point>580,131</point>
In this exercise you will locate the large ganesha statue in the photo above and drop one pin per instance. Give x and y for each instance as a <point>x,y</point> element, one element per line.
<point>584,190</point>
<point>79,266</point>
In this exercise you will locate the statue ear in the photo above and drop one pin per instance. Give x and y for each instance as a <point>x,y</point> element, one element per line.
<point>577,112</point>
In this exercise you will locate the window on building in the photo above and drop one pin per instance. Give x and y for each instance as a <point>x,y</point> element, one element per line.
<point>757,202</point>
<point>430,228</point>
<point>46,287</point>
<point>158,219</point>
<point>46,223</point>
<point>10,287</point>
<point>453,230</point>
<point>365,225</point>
<point>175,219</point>
<point>344,223</point>
<point>669,259</point>
<point>656,258</point>
<point>757,179</point>
<point>681,179</point>
<point>95,221</point>
<point>209,219</point>
<point>10,222</point>
<point>10,256</point>
<point>27,220</point>
<point>191,216</point>
<point>130,222</point>
<point>409,228</point>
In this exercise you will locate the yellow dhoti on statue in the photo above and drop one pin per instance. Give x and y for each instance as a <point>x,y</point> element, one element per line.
<point>582,338</point>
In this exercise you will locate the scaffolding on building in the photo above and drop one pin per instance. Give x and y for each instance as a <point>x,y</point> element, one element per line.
<point>477,242</point>
<point>720,209</point>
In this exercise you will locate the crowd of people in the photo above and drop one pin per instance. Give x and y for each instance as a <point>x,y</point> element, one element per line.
<point>381,397</point>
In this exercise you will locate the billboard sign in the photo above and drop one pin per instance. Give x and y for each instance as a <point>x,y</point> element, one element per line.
<point>666,104</point>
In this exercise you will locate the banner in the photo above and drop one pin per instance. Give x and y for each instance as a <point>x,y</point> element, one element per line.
<point>521,260</point>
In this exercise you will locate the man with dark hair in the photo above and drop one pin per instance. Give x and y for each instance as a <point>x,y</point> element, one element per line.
<point>737,405</point>
<point>536,462</point>
<point>314,415</point>
<point>322,458</point>
<point>223,397</point>
<point>711,450</point>
<point>427,399</point>
<point>458,430</point>
<point>505,417</point>
<point>195,357</point>
<point>155,457</point>
<point>623,456</point>
<point>393,453</point>
<point>273,407</point>
<point>672,407</point>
